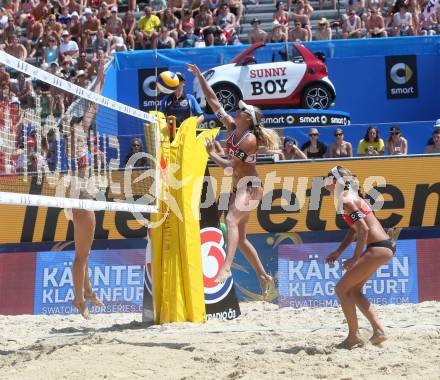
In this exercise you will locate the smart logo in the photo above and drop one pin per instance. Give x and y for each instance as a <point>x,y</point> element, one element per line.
<point>401,74</point>
<point>213,257</point>
<point>147,88</point>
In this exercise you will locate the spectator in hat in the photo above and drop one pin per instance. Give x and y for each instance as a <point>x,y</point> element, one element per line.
<point>68,48</point>
<point>371,144</point>
<point>435,146</point>
<point>52,26</point>
<point>75,28</point>
<point>181,104</point>
<point>90,28</point>
<point>113,27</point>
<point>436,127</point>
<point>278,33</point>
<point>291,150</point>
<point>396,143</point>
<point>34,33</point>
<point>324,32</point>
<point>340,147</point>
<point>257,34</point>
<point>314,148</point>
<point>147,29</point>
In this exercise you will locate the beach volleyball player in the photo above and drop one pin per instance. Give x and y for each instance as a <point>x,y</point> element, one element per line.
<point>365,227</point>
<point>83,220</point>
<point>246,134</point>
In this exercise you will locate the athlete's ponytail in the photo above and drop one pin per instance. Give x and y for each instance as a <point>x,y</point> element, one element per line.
<point>269,138</point>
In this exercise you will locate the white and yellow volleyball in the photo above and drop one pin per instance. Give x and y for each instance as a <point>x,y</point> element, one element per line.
<point>167,82</point>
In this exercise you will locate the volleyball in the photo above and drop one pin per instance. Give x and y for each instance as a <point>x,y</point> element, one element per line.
<point>167,82</point>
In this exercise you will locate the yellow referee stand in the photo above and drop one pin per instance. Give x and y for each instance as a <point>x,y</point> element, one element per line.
<point>178,291</point>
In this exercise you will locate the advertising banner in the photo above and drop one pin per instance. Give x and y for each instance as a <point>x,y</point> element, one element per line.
<point>116,276</point>
<point>305,280</point>
<point>290,118</point>
<point>294,200</point>
<point>401,74</point>
<point>17,283</point>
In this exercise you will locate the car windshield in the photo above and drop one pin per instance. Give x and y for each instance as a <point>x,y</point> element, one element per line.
<point>276,53</point>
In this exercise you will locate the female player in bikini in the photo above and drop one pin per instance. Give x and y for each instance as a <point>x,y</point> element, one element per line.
<point>83,220</point>
<point>246,134</point>
<point>365,227</point>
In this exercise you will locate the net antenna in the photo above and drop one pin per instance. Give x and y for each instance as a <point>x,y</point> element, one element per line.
<point>60,145</point>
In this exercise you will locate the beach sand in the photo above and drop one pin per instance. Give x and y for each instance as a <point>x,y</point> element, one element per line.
<point>264,343</point>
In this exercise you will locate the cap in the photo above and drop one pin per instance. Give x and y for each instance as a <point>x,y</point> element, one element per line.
<point>180,76</point>
<point>289,141</point>
<point>74,13</point>
<point>114,9</point>
<point>249,110</point>
<point>87,11</point>
<point>65,32</point>
<point>54,64</point>
<point>80,73</point>
<point>437,123</point>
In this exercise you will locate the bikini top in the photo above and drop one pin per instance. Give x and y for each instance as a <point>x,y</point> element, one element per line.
<point>233,150</point>
<point>353,217</point>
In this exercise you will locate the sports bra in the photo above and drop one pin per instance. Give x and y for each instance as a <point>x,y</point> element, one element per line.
<point>350,219</point>
<point>233,150</point>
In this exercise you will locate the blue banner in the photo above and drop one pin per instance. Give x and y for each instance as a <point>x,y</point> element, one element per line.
<point>116,277</point>
<point>305,280</point>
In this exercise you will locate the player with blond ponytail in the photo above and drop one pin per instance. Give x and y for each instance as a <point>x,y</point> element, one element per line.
<point>246,134</point>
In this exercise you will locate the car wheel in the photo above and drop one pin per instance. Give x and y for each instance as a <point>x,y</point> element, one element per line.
<point>228,96</point>
<point>317,96</point>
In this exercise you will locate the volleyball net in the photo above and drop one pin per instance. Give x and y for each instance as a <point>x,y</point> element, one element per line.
<point>61,143</point>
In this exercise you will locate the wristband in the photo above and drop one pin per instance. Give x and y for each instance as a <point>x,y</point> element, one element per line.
<point>221,113</point>
<point>357,215</point>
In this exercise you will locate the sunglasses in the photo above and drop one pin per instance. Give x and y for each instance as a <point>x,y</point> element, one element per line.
<point>135,145</point>
<point>339,134</point>
<point>395,133</point>
<point>313,134</point>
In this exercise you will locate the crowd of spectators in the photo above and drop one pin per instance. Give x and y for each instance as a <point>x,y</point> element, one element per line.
<point>361,18</point>
<point>370,145</point>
